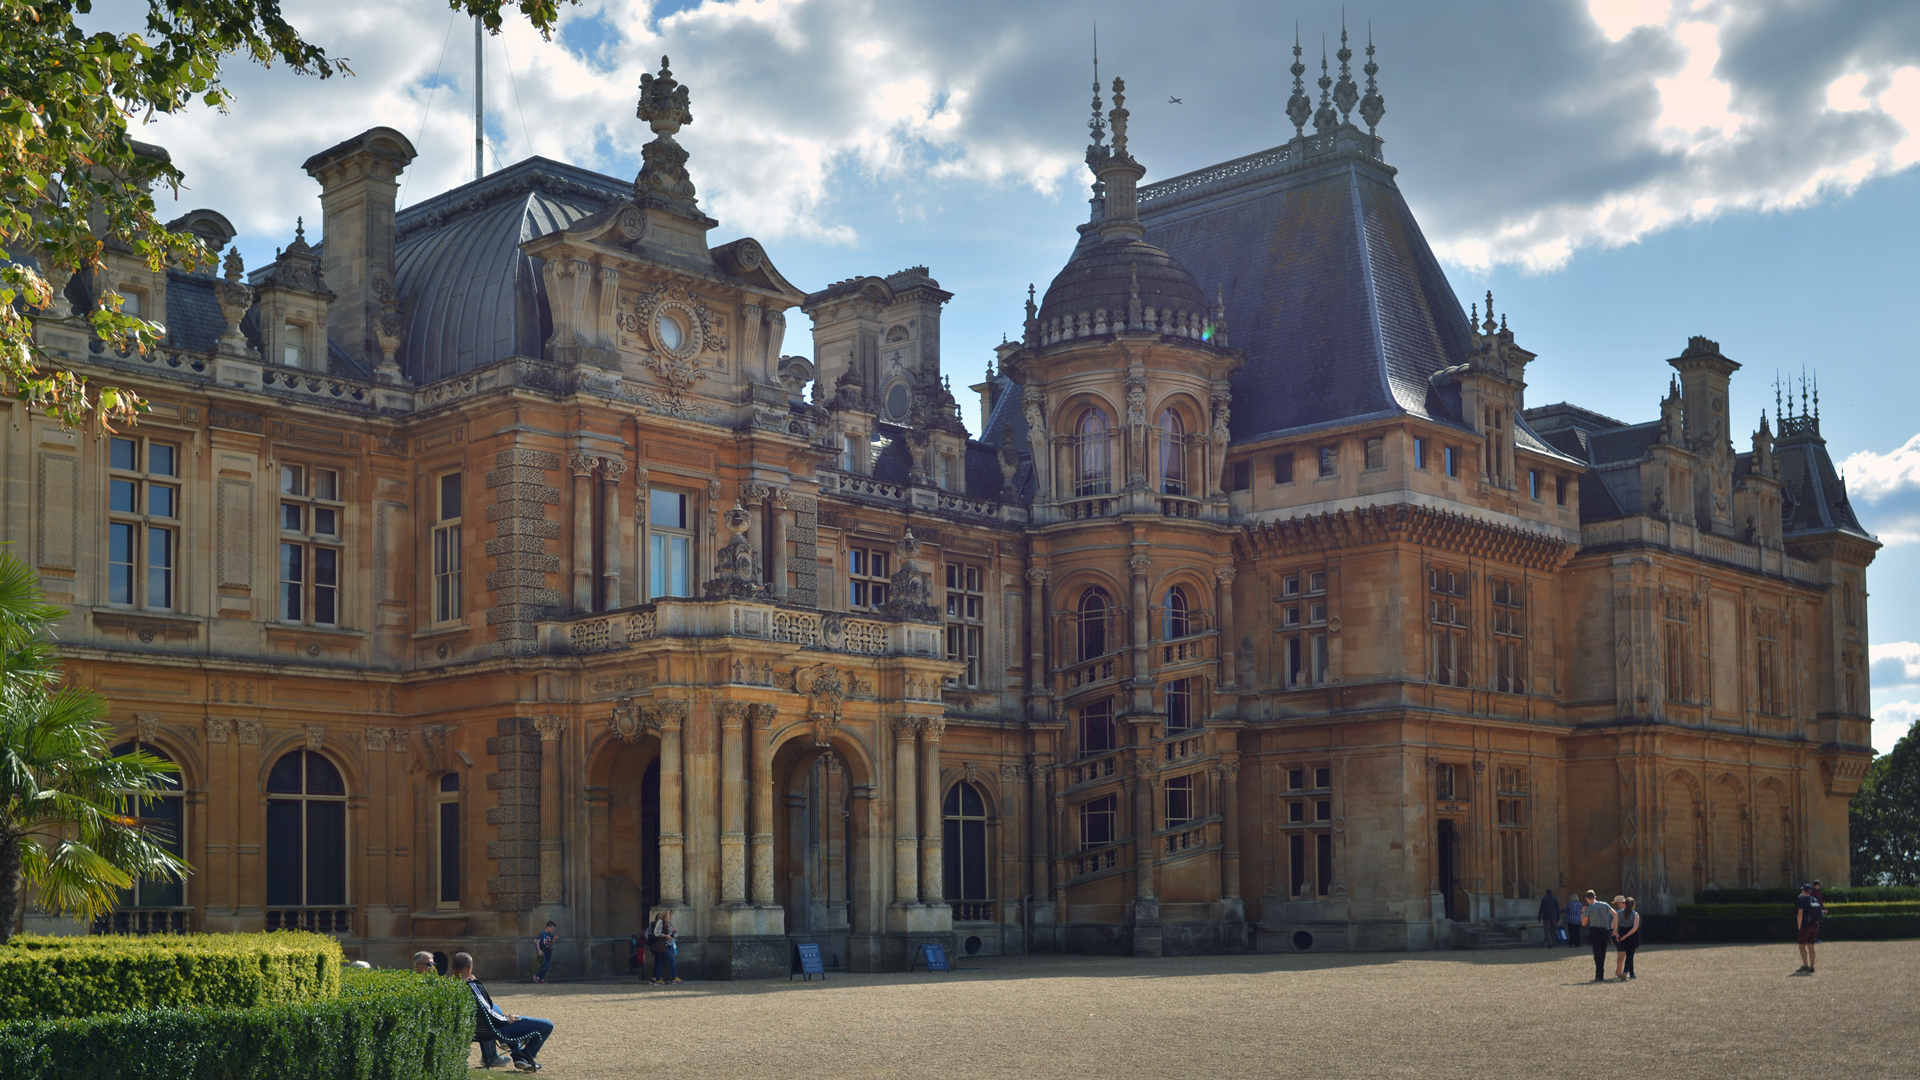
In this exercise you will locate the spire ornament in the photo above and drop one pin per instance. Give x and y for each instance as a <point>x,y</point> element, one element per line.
<point>1345,93</point>
<point>1324,118</point>
<point>664,105</point>
<point>1372,106</point>
<point>1299,106</point>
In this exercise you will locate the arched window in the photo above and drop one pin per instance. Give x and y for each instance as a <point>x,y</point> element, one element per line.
<point>966,853</point>
<point>1097,735</point>
<point>447,810</point>
<point>1173,454</point>
<point>1175,621</point>
<point>1095,608</point>
<point>164,818</point>
<point>1093,454</point>
<point>306,835</point>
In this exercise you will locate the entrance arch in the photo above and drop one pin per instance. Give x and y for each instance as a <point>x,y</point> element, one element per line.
<point>822,862</point>
<point>626,838</point>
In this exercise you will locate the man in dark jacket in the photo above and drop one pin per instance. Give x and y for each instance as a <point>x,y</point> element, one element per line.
<point>1549,918</point>
<point>524,1035</point>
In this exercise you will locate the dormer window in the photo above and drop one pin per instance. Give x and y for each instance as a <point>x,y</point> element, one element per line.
<point>132,302</point>
<point>1093,456</point>
<point>293,342</point>
<point>1173,454</point>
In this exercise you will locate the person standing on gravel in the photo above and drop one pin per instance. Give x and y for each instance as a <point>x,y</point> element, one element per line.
<point>1626,937</point>
<point>660,939</point>
<point>1574,908</point>
<point>1807,913</point>
<point>1598,918</point>
<point>1549,918</point>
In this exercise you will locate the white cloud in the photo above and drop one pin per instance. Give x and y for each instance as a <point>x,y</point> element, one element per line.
<point>1885,489</point>
<point>1891,722</point>
<point>1618,18</point>
<point>1894,663</point>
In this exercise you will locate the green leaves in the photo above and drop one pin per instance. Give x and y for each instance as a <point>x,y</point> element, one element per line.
<point>1884,818</point>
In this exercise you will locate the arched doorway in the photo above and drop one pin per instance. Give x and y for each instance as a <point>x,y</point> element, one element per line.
<point>626,846</point>
<point>822,821</point>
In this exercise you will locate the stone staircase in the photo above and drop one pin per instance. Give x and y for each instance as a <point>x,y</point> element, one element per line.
<point>1482,936</point>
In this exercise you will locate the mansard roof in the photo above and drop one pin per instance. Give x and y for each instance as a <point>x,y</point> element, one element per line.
<point>1331,289</point>
<point>1813,499</point>
<point>469,295</point>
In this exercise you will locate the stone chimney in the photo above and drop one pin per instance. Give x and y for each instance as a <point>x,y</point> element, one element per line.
<point>358,184</point>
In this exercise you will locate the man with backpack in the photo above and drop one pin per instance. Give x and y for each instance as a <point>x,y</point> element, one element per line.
<point>1807,913</point>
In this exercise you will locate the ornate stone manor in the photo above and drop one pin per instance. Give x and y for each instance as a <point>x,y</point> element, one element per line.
<point>493,561</point>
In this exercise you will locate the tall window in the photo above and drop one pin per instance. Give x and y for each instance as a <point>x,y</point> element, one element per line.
<point>310,510</point>
<point>1095,609</point>
<point>1451,459</point>
<point>966,619</point>
<point>1180,800</point>
<point>966,845</point>
<point>163,816</point>
<point>1179,696</point>
<point>446,550</point>
<point>849,453</point>
<point>1509,637</point>
<point>1376,453</point>
<point>1173,454</point>
<point>1329,460</point>
<point>1447,626</point>
<point>1768,669</point>
<point>1283,468</point>
<point>143,522</point>
<point>1309,824</point>
<point>306,832</point>
<point>293,345</point>
<point>1097,822</point>
<point>669,544</point>
<point>1496,442</point>
<point>1419,452</point>
<point>447,810</point>
<point>1533,484</point>
<point>1304,616</point>
<point>1680,647</point>
<point>1511,813</point>
<point>1097,735</point>
<point>1093,454</point>
<point>868,577</point>
<point>1175,619</point>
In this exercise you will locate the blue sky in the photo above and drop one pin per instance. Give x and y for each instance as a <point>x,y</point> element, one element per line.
<point>1621,173</point>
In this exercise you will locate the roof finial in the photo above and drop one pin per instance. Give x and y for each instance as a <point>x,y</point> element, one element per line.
<point>1373,106</point>
<point>1117,116</point>
<point>1488,326</point>
<point>1816,394</point>
<point>1345,93</point>
<point>1299,106</point>
<point>300,228</point>
<point>1098,125</point>
<point>1803,390</point>
<point>1776,393</point>
<point>1324,119</point>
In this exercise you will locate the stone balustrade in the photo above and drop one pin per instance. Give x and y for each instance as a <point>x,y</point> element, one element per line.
<point>689,618</point>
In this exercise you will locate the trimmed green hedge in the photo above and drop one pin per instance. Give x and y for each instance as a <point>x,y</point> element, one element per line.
<point>1887,907</point>
<point>42,978</point>
<point>1685,929</point>
<point>1856,894</point>
<point>385,1025</point>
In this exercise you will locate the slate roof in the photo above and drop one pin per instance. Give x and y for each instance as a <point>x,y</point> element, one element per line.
<point>193,318</point>
<point>470,295</point>
<point>1814,499</point>
<point>1331,289</point>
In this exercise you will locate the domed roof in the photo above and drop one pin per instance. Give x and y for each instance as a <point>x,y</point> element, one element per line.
<point>1105,273</point>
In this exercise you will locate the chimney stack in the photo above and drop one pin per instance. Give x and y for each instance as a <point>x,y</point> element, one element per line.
<point>358,186</point>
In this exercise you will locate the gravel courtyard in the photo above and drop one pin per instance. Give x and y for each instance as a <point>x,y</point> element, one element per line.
<point>1733,1011</point>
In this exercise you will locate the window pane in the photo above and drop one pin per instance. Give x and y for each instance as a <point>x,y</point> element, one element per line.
<point>656,565</point>
<point>292,566</point>
<point>449,852</point>
<point>161,460</point>
<point>326,853</point>
<point>322,777</point>
<point>293,517</point>
<point>682,560</point>
<point>285,777</point>
<point>970,802</point>
<point>285,852</point>
<point>973,855</point>
<point>951,871</point>
<point>120,496</point>
<point>326,585</point>
<point>326,484</point>
<point>120,563</point>
<point>449,496</point>
<point>159,568</point>
<point>161,499</point>
<point>1324,857</point>
<point>667,509</point>
<point>123,454</point>
<point>292,480</point>
<point>165,818</point>
<point>326,521</point>
<point>1297,870</point>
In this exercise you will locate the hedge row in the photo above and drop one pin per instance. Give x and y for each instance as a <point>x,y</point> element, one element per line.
<point>1887,907</point>
<point>1839,894</point>
<point>1683,929</point>
<point>48,977</point>
<point>385,1025</point>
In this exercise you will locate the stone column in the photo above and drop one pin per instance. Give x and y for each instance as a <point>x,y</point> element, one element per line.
<point>552,842</point>
<point>1230,830</point>
<point>733,803</point>
<point>906,842</point>
<point>762,717</point>
<point>1145,779</point>
<point>673,839</point>
<point>1039,682</point>
<point>1038,853</point>
<point>583,465</point>
<point>1223,623</point>
<point>933,878</point>
<point>611,470</point>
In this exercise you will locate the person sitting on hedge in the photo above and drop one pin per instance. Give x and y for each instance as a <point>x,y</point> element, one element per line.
<point>524,1035</point>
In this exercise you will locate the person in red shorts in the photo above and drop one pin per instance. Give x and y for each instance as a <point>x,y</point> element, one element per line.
<point>1807,913</point>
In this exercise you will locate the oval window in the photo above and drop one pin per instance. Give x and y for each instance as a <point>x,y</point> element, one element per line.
<point>670,333</point>
<point>897,401</point>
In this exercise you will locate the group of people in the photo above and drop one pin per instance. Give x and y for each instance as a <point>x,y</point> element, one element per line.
<point>1615,923</point>
<point>523,1036</point>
